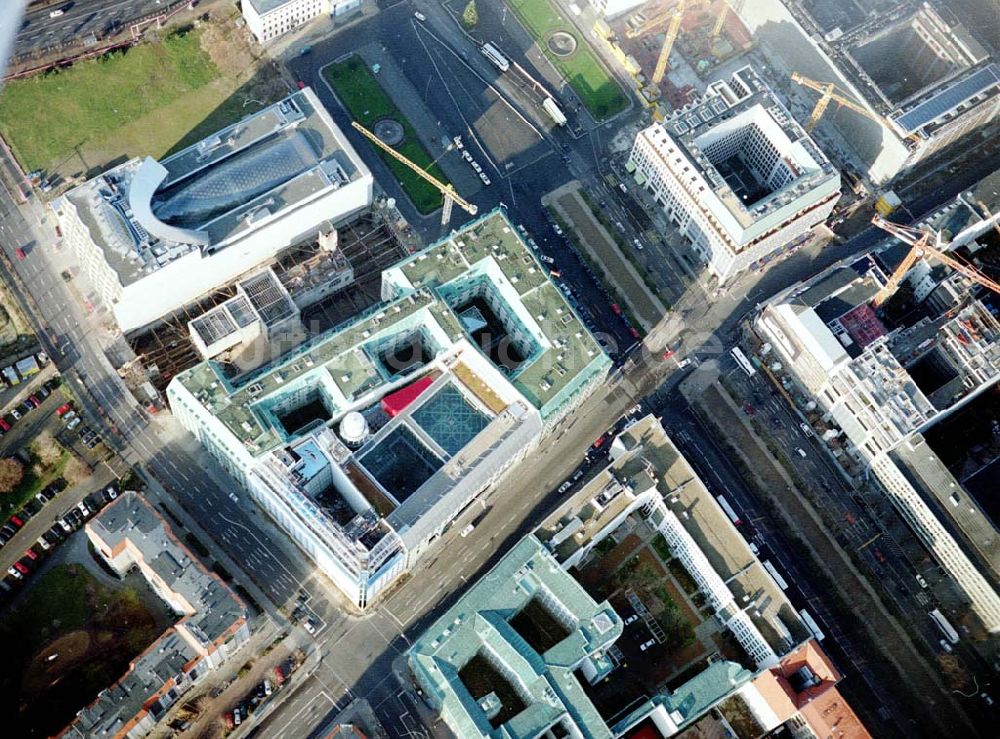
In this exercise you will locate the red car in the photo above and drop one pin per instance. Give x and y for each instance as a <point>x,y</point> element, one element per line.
<point>21,568</point>
<point>668,353</point>
<point>632,330</point>
<point>4,425</point>
<point>599,442</point>
<point>31,554</point>
<point>16,521</point>
<point>63,410</point>
<point>615,309</point>
<point>301,84</point>
<point>21,256</point>
<point>748,409</point>
<point>35,401</point>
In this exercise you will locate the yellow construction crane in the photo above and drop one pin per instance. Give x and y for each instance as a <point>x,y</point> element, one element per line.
<point>920,246</point>
<point>447,191</point>
<point>829,93</point>
<point>720,21</point>
<point>674,16</point>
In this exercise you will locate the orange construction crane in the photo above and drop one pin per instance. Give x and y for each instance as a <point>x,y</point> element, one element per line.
<point>919,240</point>
<point>829,93</point>
<point>447,190</point>
<point>720,21</point>
<point>674,16</point>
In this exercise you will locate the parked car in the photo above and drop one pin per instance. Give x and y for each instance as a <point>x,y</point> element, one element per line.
<point>16,521</point>
<point>111,492</point>
<point>21,568</point>
<point>13,571</point>
<point>43,392</point>
<point>31,554</point>
<point>631,619</point>
<point>28,406</point>
<point>4,425</point>
<point>33,399</point>
<point>19,251</point>
<point>73,424</point>
<point>646,645</point>
<point>63,410</point>
<point>16,414</point>
<point>309,626</point>
<point>43,543</point>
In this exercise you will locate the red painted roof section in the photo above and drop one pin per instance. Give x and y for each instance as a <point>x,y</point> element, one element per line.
<point>394,403</point>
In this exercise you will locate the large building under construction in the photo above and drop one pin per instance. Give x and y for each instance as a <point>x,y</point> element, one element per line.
<point>921,74</point>
<point>366,441</point>
<point>876,388</point>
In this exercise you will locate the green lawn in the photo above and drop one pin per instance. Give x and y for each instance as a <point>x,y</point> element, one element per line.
<point>366,101</point>
<point>599,92</point>
<point>32,484</point>
<point>93,107</point>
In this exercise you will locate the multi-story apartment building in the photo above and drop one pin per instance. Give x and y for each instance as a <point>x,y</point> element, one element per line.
<point>365,442</point>
<point>740,178</point>
<point>212,623</point>
<point>154,236</point>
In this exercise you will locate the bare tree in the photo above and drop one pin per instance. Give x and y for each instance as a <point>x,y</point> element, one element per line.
<point>11,474</point>
<point>76,471</point>
<point>46,449</point>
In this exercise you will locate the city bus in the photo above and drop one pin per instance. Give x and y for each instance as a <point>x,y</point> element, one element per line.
<point>493,54</point>
<point>742,361</point>
<point>944,625</point>
<point>729,510</point>
<point>775,575</point>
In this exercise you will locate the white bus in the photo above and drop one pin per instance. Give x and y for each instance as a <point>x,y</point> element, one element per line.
<point>742,361</point>
<point>773,572</point>
<point>943,624</point>
<point>729,510</point>
<point>493,54</point>
<point>811,624</point>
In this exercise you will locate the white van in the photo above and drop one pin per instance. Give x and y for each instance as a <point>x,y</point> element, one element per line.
<point>801,452</point>
<point>419,16</point>
<point>56,13</point>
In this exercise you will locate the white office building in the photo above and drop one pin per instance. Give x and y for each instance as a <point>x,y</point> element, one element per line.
<point>367,441</point>
<point>154,236</point>
<point>740,178</point>
<point>269,19</point>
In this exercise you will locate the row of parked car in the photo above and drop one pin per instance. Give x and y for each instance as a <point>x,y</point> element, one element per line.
<point>29,404</point>
<point>264,689</point>
<point>69,522</point>
<point>88,437</point>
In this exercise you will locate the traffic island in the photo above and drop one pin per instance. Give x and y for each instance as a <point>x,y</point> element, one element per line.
<point>367,102</point>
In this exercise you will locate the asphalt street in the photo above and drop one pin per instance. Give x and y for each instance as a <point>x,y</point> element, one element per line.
<point>358,653</point>
<point>170,457</point>
<point>80,18</point>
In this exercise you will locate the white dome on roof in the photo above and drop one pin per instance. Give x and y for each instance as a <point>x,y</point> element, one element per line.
<point>353,429</point>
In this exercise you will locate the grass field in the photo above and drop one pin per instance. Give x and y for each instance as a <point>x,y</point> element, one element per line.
<point>150,99</point>
<point>599,92</point>
<point>32,484</point>
<point>367,102</point>
<point>94,630</point>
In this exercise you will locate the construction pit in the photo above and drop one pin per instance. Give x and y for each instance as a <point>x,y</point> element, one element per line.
<point>709,35</point>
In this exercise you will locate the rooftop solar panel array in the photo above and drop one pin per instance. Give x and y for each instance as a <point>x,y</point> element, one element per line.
<point>949,98</point>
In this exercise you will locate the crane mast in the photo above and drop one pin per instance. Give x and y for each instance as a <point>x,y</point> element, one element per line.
<point>451,197</point>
